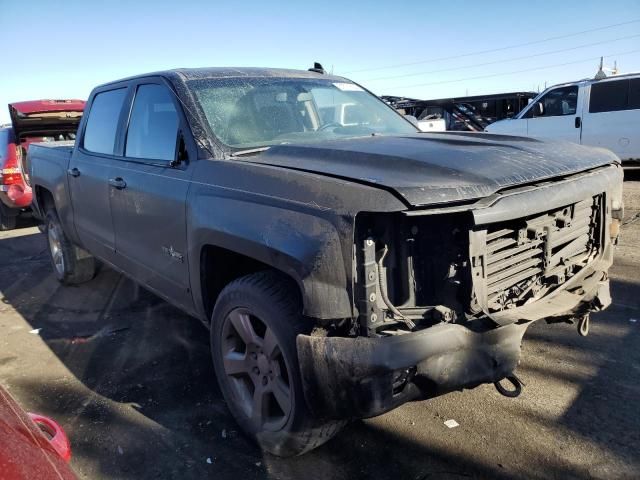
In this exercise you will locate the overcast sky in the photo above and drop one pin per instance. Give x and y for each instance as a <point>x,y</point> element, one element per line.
<point>421,49</point>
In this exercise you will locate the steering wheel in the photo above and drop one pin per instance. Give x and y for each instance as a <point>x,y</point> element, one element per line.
<point>329,125</point>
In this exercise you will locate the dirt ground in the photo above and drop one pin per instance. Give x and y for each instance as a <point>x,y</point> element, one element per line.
<point>130,379</point>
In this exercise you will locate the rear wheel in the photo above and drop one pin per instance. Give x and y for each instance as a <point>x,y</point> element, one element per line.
<point>253,339</point>
<point>71,264</point>
<point>7,220</point>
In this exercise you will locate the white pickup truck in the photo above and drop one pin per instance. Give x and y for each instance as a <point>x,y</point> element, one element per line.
<point>602,113</point>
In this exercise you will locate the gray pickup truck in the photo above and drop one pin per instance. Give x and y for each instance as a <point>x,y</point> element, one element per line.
<point>345,262</point>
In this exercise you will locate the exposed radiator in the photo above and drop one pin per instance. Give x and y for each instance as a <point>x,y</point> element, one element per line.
<point>526,258</point>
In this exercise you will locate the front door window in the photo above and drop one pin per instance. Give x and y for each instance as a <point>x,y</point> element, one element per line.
<point>559,102</point>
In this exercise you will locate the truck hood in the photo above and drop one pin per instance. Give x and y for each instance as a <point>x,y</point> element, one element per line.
<point>428,169</point>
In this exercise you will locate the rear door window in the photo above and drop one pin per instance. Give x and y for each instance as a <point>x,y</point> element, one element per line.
<point>153,128</point>
<point>634,93</point>
<point>609,96</point>
<point>102,123</point>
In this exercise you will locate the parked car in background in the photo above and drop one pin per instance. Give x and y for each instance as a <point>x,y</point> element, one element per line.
<point>31,122</point>
<point>430,124</point>
<point>31,446</point>
<point>598,112</point>
<point>345,263</point>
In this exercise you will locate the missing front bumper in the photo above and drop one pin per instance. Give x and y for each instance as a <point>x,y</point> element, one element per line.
<point>358,377</point>
<point>363,376</point>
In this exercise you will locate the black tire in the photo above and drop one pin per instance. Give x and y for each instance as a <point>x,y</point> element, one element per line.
<point>268,303</point>
<point>71,264</point>
<point>7,222</point>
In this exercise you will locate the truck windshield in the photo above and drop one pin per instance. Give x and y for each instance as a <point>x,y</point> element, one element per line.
<point>250,113</point>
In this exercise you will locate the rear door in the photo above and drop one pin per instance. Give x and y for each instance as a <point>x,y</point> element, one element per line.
<point>148,193</point>
<point>88,172</point>
<point>613,117</point>
<point>560,118</point>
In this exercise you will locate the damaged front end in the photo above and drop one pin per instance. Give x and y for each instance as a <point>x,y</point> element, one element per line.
<point>444,296</point>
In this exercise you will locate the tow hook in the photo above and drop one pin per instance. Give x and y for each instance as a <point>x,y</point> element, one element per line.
<point>515,381</point>
<point>583,325</point>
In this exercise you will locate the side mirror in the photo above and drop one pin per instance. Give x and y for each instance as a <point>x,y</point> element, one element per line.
<point>413,120</point>
<point>182,155</point>
<point>538,109</point>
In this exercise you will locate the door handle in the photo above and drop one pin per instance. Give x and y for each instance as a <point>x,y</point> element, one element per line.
<point>578,122</point>
<point>118,183</point>
<point>74,172</point>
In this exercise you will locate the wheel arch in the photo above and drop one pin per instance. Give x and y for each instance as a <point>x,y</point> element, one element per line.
<point>44,200</point>
<point>221,262</point>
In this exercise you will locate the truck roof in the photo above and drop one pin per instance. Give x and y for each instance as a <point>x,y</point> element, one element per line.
<point>588,81</point>
<point>186,74</point>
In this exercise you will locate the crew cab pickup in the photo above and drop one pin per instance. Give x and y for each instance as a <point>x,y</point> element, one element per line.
<point>344,267</point>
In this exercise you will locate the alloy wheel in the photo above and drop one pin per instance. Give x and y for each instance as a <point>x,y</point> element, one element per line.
<point>56,248</point>
<point>256,369</point>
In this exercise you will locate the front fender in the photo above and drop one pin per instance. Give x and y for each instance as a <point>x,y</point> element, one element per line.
<point>295,221</point>
<point>304,246</point>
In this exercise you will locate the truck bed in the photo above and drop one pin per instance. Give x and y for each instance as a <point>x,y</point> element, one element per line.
<point>49,162</point>
<point>52,148</point>
<point>57,152</point>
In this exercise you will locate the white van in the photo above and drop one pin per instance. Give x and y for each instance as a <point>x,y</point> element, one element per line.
<point>603,113</point>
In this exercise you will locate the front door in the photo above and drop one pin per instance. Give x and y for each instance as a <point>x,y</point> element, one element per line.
<point>560,118</point>
<point>148,191</point>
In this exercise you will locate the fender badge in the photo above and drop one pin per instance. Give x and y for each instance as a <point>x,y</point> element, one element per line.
<point>173,253</point>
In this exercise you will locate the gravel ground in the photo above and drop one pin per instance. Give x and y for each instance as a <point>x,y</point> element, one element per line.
<point>130,379</point>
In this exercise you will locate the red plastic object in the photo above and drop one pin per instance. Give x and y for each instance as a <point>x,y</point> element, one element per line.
<point>15,191</point>
<point>57,438</point>
<point>31,446</point>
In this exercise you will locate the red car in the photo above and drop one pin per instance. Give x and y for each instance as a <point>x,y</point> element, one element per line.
<point>33,121</point>
<point>31,446</point>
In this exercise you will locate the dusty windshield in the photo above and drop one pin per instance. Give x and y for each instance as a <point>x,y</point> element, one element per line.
<point>256,112</point>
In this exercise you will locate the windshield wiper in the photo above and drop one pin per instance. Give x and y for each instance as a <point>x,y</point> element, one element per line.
<point>249,151</point>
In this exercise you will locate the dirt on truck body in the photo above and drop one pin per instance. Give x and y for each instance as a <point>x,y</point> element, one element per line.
<point>345,262</point>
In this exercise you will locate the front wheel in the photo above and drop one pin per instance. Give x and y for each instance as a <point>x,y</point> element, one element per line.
<point>71,264</point>
<point>253,340</point>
